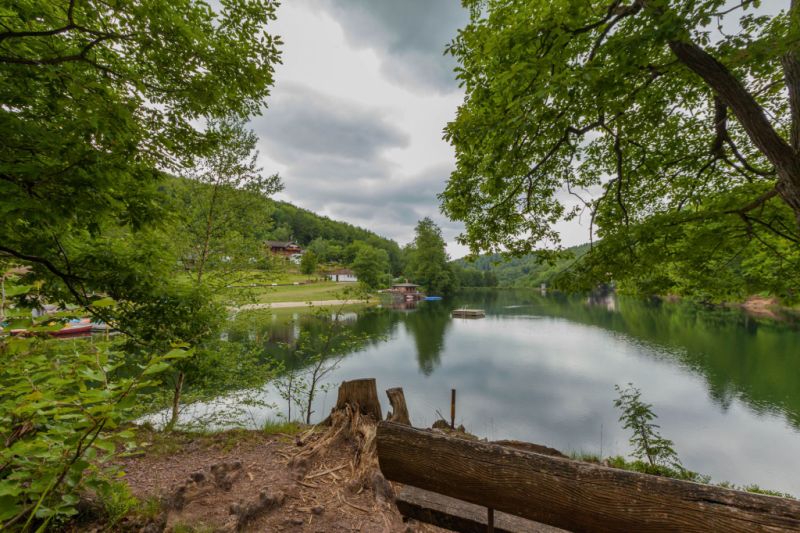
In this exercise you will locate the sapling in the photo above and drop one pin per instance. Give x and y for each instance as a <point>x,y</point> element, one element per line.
<point>647,442</point>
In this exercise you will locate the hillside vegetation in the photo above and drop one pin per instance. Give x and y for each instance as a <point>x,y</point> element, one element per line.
<point>526,271</point>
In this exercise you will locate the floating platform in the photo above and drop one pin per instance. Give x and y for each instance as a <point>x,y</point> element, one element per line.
<point>469,313</point>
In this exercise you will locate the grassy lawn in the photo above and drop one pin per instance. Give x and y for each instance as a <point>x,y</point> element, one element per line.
<point>325,290</point>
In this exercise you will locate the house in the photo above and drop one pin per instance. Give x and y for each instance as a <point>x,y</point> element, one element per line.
<point>283,248</point>
<point>405,288</point>
<point>343,275</point>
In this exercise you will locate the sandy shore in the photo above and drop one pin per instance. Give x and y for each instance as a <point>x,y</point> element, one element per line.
<point>315,303</point>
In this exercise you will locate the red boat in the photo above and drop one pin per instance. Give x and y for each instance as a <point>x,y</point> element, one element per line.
<point>74,328</point>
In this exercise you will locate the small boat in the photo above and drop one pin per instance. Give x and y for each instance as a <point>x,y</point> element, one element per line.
<point>432,298</point>
<point>77,327</point>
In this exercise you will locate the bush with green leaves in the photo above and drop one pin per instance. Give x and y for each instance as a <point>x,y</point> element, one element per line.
<point>63,411</point>
<point>647,443</point>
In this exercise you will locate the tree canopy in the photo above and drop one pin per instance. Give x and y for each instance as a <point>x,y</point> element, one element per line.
<point>427,260</point>
<point>100,100</point>
<point>673,126</point>
<point>371,266</point>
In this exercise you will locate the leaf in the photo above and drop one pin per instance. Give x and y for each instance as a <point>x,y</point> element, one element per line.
<point>104,302</point>
<point>156,368</point>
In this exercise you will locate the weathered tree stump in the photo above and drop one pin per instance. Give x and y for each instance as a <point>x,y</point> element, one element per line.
<point>354,420</point>
<point>399,412</point>
<point>361,395</point>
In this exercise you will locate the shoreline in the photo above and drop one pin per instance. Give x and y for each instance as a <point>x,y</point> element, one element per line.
<point>313,303</point>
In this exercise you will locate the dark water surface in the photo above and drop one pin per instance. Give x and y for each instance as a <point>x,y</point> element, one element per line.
<point>725,387</point>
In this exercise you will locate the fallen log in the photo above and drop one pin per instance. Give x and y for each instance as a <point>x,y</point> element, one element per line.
<point>570,494</point>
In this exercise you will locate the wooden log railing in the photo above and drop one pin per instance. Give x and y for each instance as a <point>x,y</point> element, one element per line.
<point>569,494</point>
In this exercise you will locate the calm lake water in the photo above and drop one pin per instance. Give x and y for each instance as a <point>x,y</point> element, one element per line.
<point>725,387</point>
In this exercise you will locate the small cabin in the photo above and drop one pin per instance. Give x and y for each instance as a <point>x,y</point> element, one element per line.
<point>283,248</point>
<point>343,275</point>
<point>405,288</point>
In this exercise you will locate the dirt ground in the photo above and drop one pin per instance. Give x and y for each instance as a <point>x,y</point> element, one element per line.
<point>242,481</point>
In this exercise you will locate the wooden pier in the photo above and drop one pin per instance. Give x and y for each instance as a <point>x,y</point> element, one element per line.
<point>469,313</point>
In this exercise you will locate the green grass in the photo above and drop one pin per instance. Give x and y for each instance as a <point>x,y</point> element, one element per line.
<point>686,475</point>
<point>273,427</point>
<point>325,290</point>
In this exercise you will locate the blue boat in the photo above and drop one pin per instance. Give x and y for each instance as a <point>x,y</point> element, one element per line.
<point>432,298</point>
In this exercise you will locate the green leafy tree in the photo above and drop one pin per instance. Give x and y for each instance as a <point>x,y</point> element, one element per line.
<point>223,206</point>
<point>638,417</point>
<point>371,266</point>
<point>100,99</point>
<point>101,102</point>
<point>308,262</point>
<point>61,409</point>
<point>427,260</point>
<point>321,248</point>
<point>673,126</point>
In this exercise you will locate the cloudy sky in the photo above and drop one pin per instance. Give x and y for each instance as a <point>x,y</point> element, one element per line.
<point>354,124</point>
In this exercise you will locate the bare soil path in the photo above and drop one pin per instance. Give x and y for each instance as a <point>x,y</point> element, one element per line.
<point>242,481</point>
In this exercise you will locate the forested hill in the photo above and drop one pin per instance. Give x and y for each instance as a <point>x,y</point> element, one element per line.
<point>525,271</point>
<point>253,218</point>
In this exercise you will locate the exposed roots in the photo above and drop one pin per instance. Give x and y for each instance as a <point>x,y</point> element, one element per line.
<point>349,427</point>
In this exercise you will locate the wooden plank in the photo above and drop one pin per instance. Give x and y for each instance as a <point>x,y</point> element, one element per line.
<point>456,515</point>
<point>570,494</point>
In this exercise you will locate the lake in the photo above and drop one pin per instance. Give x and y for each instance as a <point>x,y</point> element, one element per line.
<point>542,368</point>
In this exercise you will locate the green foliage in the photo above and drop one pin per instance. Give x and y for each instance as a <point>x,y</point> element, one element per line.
<point>308,263</point>
<point>321,345</point>
<point>329,238</point>
<point>645,467</point>
<point>223,213</point>
<point>116,501</point>
<point>647,443</point>
<point>60,416</point>
<point>674,473</point>
<point>101,99</point>
<point>371,266</point>
<point>529,270</point>
<point>576,109</point>
<point>427,260</point>
<point>273,427</point>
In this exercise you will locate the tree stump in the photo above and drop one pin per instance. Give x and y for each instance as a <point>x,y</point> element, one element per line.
<point>399,412</point>
<point>361,395</point>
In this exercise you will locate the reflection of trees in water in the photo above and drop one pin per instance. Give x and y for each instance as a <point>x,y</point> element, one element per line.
<point>280,337</point>
<point>738,356</point>
<point>428,324</point>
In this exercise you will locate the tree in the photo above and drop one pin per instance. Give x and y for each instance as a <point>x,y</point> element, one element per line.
<point>427,259</point>
<point>308,262</point>
<point>682,117</point>
<point>100,100</point>
<point>371,265</point>
<point>222,205</point>
<point>646,440</point>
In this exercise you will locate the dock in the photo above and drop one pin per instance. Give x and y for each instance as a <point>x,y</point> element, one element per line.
<point>469,313</point>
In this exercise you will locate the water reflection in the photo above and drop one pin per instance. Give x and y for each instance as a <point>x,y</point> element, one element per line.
<point>539,367</point>
<point>755,360</point>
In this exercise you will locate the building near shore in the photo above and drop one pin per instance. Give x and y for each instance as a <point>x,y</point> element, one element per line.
<point>343,275</point>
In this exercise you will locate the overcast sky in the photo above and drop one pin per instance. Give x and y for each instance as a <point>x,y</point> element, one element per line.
<point>354,125</point>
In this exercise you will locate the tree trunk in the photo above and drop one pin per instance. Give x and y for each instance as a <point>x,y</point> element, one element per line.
<point>399,412</point>
<point>361,394</point>
<point>176,402</point>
